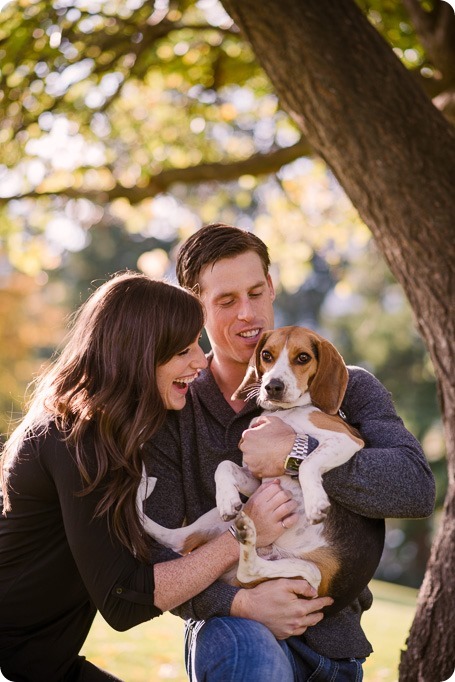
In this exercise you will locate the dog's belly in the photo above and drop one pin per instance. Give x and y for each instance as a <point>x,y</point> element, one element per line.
<point>303,537</point>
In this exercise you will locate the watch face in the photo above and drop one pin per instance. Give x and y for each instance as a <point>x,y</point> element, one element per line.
<point>293,463</point>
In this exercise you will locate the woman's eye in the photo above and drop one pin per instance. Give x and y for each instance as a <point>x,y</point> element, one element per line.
<point>303,358</point>
<point>266,356</point>
<point>184,352</point>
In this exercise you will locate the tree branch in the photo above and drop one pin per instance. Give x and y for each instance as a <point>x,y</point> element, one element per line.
<point>257,164</point>
<point>436,31</point>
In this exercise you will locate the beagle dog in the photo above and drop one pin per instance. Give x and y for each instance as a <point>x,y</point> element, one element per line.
<point>300,377</point>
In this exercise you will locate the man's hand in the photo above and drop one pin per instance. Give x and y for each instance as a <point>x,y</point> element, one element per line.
<point>266,445</point>
<point>273,510</point>
<point>286,607</point>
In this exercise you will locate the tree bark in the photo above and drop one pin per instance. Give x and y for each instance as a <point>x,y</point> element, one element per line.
<point>394,154</point>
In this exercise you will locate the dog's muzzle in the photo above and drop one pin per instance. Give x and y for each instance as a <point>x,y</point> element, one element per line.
<point>274,389</point>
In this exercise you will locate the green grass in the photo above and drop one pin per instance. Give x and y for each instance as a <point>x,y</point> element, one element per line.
<point>387,625</point>
<point>154,651</point>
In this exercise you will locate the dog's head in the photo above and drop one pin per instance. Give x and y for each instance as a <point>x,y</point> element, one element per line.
<point>294,366</point>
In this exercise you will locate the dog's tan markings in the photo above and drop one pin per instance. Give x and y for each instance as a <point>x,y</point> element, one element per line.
<point>300,343</point>
<point>331,422</point>
<point>328,564</point>
<point>197,540</point>
<point>253,583</point>
<point>274,348</point>
<point>294,340</point>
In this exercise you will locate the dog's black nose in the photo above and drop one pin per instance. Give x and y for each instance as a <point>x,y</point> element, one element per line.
<point>274,389</point>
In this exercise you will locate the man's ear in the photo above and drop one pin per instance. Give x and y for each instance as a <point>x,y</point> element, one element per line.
<point>271,287</point>
<point>253,374</point>
<point>328,386</point>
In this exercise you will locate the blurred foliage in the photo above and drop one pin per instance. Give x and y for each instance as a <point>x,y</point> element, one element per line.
<point>32,325</point>
<point>124,126</point>
<point>103,100</point>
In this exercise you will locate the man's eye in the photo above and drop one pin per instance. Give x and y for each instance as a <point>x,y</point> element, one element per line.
<point>256,295</point>
<point>226,304</point>
<point>266,356</point>
<point>303,358</point>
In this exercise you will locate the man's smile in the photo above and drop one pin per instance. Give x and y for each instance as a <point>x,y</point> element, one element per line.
<point>250,333</point>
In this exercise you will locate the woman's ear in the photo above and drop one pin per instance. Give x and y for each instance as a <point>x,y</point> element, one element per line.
<point>253,374</point>
<point>328,386</point>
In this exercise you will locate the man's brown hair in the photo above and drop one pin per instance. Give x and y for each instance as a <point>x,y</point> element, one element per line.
<point>213,243</point>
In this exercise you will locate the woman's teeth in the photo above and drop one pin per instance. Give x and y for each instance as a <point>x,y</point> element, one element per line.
<point>181,383</point>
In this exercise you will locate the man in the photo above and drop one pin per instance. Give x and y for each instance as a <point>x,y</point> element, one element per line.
<point>275,631</point>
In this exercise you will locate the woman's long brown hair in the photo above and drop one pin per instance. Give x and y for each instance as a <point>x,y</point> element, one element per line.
<point>105,378</point>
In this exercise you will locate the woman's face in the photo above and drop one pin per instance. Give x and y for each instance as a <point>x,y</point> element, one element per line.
<point>175,375</point>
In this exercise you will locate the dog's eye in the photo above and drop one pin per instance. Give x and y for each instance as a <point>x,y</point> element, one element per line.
<point>303,358</point>
<point>266,356</point>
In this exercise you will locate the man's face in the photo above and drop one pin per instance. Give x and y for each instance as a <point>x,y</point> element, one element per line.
<point>238,298</point>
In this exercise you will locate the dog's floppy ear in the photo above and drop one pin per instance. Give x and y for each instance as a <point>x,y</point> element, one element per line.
<point>250,379</point>
<point>328,386</point>
<point>252,375</point>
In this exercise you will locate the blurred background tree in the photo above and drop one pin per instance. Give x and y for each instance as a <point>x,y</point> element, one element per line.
<point>126,125</point>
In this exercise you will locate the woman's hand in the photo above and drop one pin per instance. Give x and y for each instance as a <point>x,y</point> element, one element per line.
<point>265,446</point>
<point>273,510</point>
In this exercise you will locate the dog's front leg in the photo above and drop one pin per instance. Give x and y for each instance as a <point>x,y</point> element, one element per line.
<point>231,480</point>
<point>330,453</point>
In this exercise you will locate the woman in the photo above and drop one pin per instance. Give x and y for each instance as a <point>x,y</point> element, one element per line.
<point>70,539</point>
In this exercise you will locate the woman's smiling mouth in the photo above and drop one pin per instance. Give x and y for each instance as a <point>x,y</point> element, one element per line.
<point>183,382</point>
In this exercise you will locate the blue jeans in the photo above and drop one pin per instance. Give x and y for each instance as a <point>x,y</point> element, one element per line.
<point>237,649</point>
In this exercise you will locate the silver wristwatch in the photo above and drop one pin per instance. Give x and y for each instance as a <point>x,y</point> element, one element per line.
<point>295,458</point>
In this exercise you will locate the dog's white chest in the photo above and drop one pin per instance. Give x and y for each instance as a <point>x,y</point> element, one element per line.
<point>303,536</point>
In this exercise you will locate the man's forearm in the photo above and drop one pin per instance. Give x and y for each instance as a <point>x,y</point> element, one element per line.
<point>390,477</point>
<point>384,483</point>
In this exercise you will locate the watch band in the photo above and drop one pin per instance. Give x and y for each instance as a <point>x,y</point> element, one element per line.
<point>295,458</point>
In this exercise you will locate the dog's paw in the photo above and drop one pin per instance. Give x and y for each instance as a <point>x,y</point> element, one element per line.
<point>245,530</point>
<point>229,517</point>
<point>228,503</point>
<point>312,574</point>
<point>318,518</point>
<point>145,488</point>
<point>316,508</point>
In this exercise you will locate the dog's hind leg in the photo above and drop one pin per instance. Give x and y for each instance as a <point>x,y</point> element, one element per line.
<point>185,539</point>
<point>253,568</point>
<point>181,540</point>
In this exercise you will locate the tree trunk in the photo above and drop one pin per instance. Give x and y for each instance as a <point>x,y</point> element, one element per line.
<point>394,154</point>
<point>431,643</point>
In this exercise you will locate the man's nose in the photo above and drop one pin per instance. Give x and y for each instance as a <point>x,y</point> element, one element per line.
<point>246,310</point>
